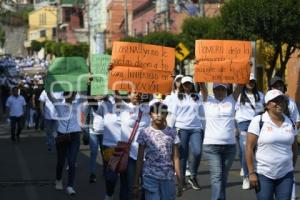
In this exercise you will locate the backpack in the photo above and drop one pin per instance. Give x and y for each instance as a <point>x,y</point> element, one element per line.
<point>261,123</point>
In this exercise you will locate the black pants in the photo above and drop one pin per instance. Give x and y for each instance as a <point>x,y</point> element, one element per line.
<point>16,121</point>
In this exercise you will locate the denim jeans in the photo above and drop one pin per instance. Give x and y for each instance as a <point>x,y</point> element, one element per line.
<point>16,121</point>
<point>111,178</point>
<point>281,188</point>
<point>50,126</point>
<point>95,142</point>
<point>220,159</point>
<point>69,151</point>
<point>243,128</point>
<point>190,139</point>
<point>159,189</point>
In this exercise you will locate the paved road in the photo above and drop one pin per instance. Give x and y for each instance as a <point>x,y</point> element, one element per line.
<point>27,172</point>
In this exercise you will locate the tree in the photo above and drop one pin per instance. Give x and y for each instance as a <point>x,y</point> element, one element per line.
<point>274,22</point>
<point>195,28</point>
<point>36,45</point>
<point>2,37</point>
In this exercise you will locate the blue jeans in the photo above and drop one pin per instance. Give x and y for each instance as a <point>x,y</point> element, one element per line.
<point>220,159</point>
<point>50,126</point>
<point>190,139</point>
<point>95,142</point>
<point>243,128</point>
<point>111,179</point>
<point>281,188</point>
<point>69,151</point>
<point>159,189</point>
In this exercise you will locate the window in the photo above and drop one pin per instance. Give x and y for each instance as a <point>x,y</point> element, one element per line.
<point>43,33</point>
<point>53,32</point>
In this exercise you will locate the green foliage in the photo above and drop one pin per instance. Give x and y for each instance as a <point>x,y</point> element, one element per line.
<point>195,28</point>
<point>162,38</point>
<point>275,22</point>
<point>156,38</point>
<point>66,50</point>
<point>36,45</point>
<point>2,37</point>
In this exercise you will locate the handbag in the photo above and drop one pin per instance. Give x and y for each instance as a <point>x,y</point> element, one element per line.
<point>119,160</point>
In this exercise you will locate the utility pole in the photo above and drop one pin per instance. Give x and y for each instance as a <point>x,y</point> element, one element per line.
<point>201,8</point>
<point>126,17</point>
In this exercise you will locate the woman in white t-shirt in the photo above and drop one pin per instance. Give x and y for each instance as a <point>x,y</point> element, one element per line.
<point>110,110</point>
<point>219,143</point>
<point>273,136</point>
<point>187,115</point>
<point>129,115</point>
<point>250,103</point>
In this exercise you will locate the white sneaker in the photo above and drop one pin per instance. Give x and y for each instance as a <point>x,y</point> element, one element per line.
<point>108,197</point>
<point>246,184</point>
<point>242,172</point>
<point>70,190</point>
<point>59,185</point>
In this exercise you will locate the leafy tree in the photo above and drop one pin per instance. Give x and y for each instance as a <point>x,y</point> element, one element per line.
<point>162,38</point>
<point>275,22</point>
<point>36,45</point>
<point>195,28</point>
<point>2,37</point>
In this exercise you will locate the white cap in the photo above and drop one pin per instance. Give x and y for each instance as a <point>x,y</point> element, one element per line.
<point>178,76</point>
<point>252,77</point>
<point>215,85</point>
<point>272,94</point>
<point>187,79</point>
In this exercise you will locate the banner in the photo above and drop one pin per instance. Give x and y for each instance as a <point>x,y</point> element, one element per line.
<point>99,69</point>
<point>142,67</point>
<point>67,74</point>
<point>222,61</point>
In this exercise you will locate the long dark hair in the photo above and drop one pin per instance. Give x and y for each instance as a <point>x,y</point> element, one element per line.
<point>244,95</point>
<point>194,94</point>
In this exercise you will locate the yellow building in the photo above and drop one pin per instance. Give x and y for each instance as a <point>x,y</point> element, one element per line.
<point>42,24</point>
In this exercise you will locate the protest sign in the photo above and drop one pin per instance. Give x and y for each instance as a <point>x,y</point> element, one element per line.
<point>67,74</point>
<point>222,61</point>
<point>99,69</point>
<point>142,68</point>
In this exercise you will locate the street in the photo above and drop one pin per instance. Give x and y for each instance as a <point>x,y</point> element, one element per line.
<point>27,172</point>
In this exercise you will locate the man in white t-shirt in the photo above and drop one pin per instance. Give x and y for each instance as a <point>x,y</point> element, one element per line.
<point>16,107</point>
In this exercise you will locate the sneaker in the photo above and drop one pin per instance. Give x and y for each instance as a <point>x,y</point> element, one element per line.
<point>194,183</point>
<point>59,185</point>
<point>92,178</point>
<point>184,186</point>
<point>242,172</point>
<point>246,184</point>
<point>70,190</point>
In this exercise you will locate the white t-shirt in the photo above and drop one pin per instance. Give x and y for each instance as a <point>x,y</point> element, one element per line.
<point>111,122</point>
<point>128,116</point>
<point>245,112</point>
<point>49,109</point>
<point>69,115</point>
<point>15,105</point>
<point>219,117</point>
<point>187,113</point>
<point>274,154</point>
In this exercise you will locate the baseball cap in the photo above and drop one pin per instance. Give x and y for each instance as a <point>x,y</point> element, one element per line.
<point>272,94</point>
<point>178,76</point>
<point>215,85</point>
<point>275,79</point>
<point>187,79</point>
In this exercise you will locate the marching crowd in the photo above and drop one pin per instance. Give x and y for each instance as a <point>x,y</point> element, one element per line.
<point>163,135</point>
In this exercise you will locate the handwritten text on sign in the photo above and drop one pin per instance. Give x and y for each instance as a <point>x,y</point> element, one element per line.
<point>141,67</point>
<point>222,61</point>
